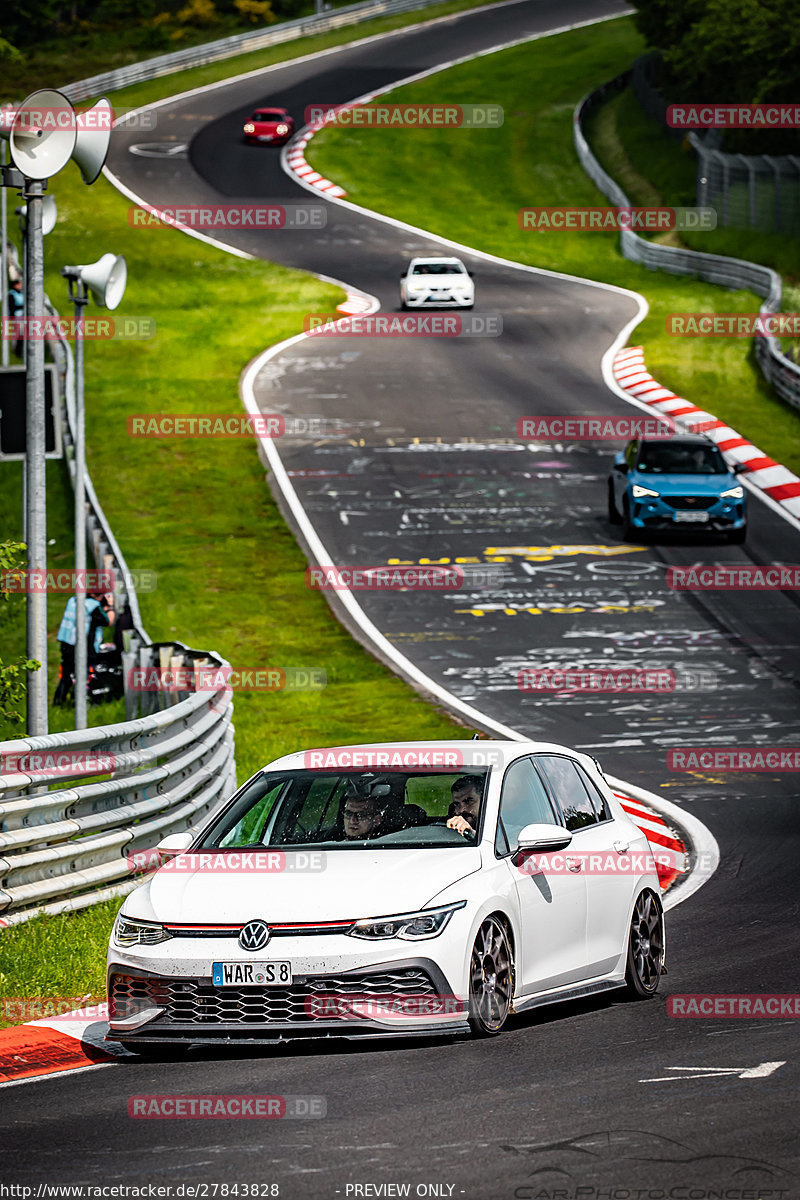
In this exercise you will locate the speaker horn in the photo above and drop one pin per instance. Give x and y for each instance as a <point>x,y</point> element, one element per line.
<point>94,135</point>
<point>105,279</point>
<point>43,134</point>
<point>49,214</point>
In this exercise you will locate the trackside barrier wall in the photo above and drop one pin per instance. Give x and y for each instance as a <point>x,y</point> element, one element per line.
<point>239,43</point>
<point>63,843</point>
<point>779,370</point>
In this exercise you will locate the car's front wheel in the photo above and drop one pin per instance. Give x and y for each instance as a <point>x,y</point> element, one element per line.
<point>627,525</point>
<point>738,536</point>
<point>491,979</point>
<point>645,947</point>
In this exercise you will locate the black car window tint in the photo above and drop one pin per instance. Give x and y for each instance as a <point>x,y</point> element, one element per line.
<point>572,796</point>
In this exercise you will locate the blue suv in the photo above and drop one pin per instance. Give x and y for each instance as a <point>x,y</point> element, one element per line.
<point>682,482</point>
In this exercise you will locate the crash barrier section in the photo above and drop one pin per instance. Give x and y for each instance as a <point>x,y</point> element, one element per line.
<point>778,369</point>
<point>75,806</point>
<point>239,43</point>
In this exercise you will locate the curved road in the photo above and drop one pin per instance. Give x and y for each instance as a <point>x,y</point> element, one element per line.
<point>588,1096</point>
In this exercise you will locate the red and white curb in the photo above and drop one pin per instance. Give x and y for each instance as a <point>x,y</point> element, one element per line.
<point>775,481</point>
<point>665,842</point>
<point>295,160</point>
<point>356,303</point>
<point>54,1046</point>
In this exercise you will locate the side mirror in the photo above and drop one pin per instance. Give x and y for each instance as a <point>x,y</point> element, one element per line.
<point>175,843</point>
<point>622,467</point>
<point>543,837</point>
<point>471,274</point>
<point>738,468</point>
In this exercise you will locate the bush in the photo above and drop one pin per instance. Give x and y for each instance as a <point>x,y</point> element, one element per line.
<point>198,12</point>
<point>257,12</point>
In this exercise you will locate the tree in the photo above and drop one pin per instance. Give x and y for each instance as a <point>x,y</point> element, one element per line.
<point>717,51</point>
<point>12,675</point>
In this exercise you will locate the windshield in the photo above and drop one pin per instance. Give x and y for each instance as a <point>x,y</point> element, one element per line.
<point>437,269</point>
<point>350,810</point>
<point>661,458</point>
<point>269,115</point>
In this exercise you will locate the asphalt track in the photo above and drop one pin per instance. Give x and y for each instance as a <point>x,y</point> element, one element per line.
<point>565,1100</point>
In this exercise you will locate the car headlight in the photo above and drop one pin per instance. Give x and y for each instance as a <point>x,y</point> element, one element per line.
<point>281,129</point>
<point>249,127</point>
<point>131,932</point>
<point>416,285</point>
<point>639,492</point>
<point>411,927</point>
<point>734,493</point>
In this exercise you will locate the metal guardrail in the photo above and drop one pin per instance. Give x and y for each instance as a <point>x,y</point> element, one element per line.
<point>64,848</point>
<point>239,43</point>
<point>781,372</point>
<point>59,845</point>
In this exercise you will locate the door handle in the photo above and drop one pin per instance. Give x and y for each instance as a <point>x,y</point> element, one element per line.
<point>621,847</point>
<point>574,864</point>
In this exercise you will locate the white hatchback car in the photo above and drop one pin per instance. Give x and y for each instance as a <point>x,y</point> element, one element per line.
<point>436,283</point>
<point>385,890</point>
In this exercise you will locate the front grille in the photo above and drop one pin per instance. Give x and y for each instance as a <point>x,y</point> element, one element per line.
<point>192,1002</point>
<point>233,931</point>
<point>696,502</point>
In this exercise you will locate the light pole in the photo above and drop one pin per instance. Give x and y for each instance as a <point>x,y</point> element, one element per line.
<point>45,134</point>
<point>106,281</point>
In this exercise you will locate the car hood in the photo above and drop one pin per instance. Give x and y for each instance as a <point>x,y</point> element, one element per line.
<point>352,884</point>
<point>686,485</point>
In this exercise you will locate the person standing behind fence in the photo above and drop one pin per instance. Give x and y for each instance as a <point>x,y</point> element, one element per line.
<point>99,612</point>
<point>16,309</point>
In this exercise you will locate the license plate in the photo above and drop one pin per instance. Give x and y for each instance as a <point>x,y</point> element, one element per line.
<point>243,974</point>
<point>690,517</point>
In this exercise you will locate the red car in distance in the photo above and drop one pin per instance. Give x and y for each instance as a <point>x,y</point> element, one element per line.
<point>273,125</point>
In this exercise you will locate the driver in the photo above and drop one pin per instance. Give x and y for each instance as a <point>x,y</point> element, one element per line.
<point>466,805</point>
<point>362,817</point>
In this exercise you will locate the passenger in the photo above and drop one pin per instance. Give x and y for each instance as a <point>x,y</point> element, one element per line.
<point>465,808</point>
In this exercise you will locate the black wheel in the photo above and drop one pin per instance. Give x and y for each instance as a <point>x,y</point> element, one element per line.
<point>645,947</point>
<point>613,512</point>
<point>738,536</point>
<point>491,979</point>
<point>627,528</point>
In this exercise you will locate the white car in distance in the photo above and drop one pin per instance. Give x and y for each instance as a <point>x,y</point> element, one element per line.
<point>364,891</point>
<point>436,283</point>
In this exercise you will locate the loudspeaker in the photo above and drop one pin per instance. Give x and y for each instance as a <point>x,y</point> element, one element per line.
<point>105,279</point>
<point>91,146</point>
<point>43,135</point>
<point>49,214</point>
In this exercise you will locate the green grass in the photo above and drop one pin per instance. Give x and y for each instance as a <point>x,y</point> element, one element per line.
<point>61,957</point>
<point>398,171</point>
